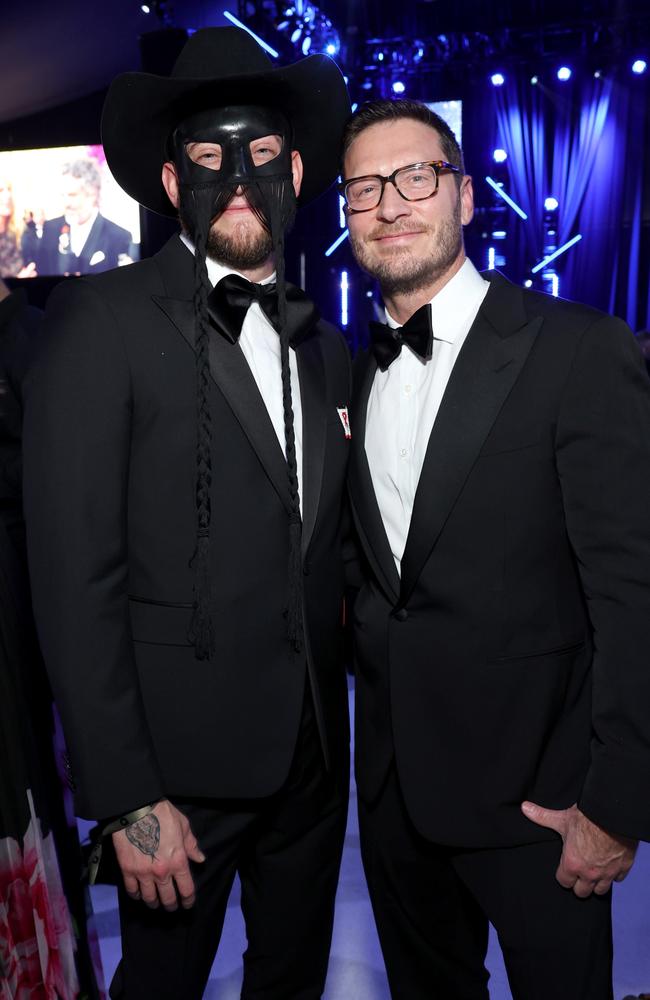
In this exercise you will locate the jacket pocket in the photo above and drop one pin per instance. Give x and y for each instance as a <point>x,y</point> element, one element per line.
<point>159,622</point>
<point>572,647</point>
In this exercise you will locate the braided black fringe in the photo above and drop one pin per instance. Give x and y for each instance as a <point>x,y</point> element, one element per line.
<point>294,609</point>
<point>201,628</point>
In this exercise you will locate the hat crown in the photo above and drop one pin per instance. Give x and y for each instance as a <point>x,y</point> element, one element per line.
<point>220,52</point>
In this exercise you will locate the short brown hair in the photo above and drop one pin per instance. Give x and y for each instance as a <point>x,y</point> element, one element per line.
<point>376,112</point>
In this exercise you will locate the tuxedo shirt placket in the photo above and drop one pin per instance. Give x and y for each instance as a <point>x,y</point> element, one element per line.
<point>260,345</point>
<point>404,402</point>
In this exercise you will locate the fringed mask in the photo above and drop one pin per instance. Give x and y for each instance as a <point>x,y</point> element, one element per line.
<point>218,151</point>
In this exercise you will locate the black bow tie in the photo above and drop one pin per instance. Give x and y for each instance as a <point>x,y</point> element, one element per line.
<point>417,332</point>
<point>229,301</point>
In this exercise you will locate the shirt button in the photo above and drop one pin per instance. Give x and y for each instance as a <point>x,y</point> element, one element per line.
<point>403,452</point>
<point>401,615</point>
<point>407,389</point>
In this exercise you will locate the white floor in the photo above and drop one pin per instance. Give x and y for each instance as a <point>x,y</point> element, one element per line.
<point>356,970</point>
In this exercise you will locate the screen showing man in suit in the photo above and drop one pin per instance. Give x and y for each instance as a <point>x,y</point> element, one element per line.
<point>185,465</point>
<point>499,481</point>
<point>69,215</point>
<point>82,241</point>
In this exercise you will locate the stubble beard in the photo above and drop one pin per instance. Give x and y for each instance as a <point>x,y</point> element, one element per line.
<point>404,273</point>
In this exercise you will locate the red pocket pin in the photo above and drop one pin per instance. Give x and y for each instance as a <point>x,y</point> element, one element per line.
<point>345,420</point>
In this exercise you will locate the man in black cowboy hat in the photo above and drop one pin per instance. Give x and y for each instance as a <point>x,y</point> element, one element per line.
<point>186,442</point>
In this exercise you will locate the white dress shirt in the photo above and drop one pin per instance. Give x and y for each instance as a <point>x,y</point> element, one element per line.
<point>79,232</point>
<point>404,402</point>
<point>260,345</point>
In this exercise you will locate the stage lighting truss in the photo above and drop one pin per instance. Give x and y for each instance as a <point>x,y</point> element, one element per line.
<point>305,26</point>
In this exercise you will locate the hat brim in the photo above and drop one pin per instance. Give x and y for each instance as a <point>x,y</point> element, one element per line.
<point>142,110</point>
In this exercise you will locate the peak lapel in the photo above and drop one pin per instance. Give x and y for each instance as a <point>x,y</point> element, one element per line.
<point>362,493</point>
<point>487,367</point>
<point>93,242</point>
<point>233,377</point>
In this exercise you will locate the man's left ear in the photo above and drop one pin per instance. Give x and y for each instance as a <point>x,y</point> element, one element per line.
<point>296,170</point>
<point>466,200</point>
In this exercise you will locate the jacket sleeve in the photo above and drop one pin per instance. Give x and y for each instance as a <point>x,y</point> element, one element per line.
<point>603,458</point>
<point>77,432</point>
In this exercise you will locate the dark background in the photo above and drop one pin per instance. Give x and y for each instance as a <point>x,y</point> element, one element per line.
<point>57,60</point>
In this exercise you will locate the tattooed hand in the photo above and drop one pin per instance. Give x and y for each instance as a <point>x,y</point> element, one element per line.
<point>154,855</point>
<point>145,834</point>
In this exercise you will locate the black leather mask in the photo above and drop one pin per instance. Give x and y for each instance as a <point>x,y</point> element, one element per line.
<point>268,187</point>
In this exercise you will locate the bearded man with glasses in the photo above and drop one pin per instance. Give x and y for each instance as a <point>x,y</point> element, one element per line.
<point>499,481</point>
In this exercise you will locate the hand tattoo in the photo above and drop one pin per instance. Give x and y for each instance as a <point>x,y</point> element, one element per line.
<point>145,835</point>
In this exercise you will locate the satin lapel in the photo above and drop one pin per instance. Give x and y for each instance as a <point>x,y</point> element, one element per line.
<point>233,377</point>
<point>362,493</point>
<point>487,368</point>
<point>93,242</point>
<point>311,374</point>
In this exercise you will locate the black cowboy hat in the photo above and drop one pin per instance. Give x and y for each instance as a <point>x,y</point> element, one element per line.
<point>218,67</point>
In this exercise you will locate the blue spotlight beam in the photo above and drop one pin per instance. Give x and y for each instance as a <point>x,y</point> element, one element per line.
<point>260,41</point>
<point>506,197</point>
<point>337,242</point>
<point>556,253</point>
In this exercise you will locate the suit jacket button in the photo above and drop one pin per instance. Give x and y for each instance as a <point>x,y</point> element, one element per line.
<point>401,615</point>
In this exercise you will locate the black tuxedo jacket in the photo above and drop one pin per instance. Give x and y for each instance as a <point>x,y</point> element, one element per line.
<point>110,455</point>
<point>511,661</point>
<point>105,238</point>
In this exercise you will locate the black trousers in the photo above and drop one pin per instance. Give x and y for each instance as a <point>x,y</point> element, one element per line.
<point>432,905</point>
<point>287,851</point>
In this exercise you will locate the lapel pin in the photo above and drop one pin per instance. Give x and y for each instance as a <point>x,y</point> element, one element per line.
<point>345,420</point>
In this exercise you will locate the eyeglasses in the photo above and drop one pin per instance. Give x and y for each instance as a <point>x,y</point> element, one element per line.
<point>416,182</point>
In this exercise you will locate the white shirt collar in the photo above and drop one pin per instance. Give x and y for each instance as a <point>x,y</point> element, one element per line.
<point>218,271</point>
<point>453,303</point>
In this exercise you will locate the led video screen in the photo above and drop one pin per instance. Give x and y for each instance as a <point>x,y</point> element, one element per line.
<point>452,113</point>
<point>62,212</point>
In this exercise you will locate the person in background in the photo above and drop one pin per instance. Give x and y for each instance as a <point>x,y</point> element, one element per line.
<point>44,936</point>
<point>82,240</point>
<point>500,483</point>
<point>11,260</point>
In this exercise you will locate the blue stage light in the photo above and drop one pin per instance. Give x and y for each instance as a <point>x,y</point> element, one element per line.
<point>564,73</point>
<point>556,253</point>
<point>145,8</point>
<point>528,283</point>
<point>344,298</point>
<point>301,21</point>
<point>306,45</point>
<point>639,66</point>
<point>337,242</point>
<point>260,41</point>
<point>506,197</point>
<point>380,57</point>
<point>534,80</point>
<point>399,87</point>
<point>499,156</point>
<point>498,79</point>
<point>551,203</point>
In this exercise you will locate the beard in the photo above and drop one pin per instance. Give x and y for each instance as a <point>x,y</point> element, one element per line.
<point>403,273</point>
<point>249,244</point>
<point>242,250</point>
